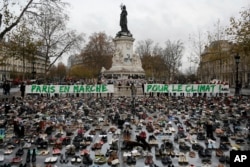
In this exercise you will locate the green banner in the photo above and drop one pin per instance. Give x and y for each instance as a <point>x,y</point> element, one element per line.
<point>69,89</point>
<point>187,88</point>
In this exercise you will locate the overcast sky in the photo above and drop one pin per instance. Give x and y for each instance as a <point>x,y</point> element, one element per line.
<point>159,20</point>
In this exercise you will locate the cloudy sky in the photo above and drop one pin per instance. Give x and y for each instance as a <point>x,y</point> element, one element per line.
<point>159,20</point>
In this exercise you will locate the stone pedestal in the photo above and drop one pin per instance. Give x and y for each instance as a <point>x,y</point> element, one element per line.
<point>124,62</point>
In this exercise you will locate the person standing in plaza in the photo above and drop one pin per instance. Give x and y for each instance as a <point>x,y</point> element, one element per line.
<point>6,88</point>
<point>133,90</point>
<point>22,89</point>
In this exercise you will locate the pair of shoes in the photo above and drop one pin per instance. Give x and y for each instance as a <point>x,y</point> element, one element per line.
<point>33,158</point>
<point>165,160</point>
<point>172,153</point>
<point>20,152</point>
<point>16,160</point>
<point>43,152</point>
<point>149,160</point>
<point>62,159</point>
<point>184,147</point>
<point>28,156</point>
<point>100,159</point>
<point>192,154</point>
<point>239,141</point>
<point>131,160</point>
<point>206,161</point>
<point>23,165</point>
<point>219,152</point>
<point>223,146</point>
<point>201,136</point>
<point>86,159</point>
<point>113,156</point>
<point>76,159</point>
<point>182,160</point>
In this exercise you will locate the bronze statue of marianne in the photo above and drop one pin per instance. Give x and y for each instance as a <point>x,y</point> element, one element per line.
<point>123,19</point>
<point>0,19</point>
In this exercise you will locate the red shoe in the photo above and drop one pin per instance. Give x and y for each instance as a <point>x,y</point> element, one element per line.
<point>16,159</point>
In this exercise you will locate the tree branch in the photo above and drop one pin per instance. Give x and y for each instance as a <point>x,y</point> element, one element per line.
<point>7,29</point>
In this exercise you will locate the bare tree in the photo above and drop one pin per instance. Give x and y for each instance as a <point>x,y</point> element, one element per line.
<point>144,48</point>
<point>49,25</point>
<point>98,53</point>
<point>172,54</point>
<point>13,12</point>
<point>61,71</point>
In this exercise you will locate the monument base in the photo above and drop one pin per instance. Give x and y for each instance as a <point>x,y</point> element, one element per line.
<point>123,74</point>
<point>125,64</point>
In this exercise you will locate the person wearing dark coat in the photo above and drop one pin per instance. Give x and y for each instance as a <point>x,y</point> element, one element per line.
<point>209,130</point>
<point>22,89</point>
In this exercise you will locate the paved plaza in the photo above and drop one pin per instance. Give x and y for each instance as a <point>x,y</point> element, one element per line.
<point>115,130</point>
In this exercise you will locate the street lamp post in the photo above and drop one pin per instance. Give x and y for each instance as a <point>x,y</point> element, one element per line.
<point>237,61</point>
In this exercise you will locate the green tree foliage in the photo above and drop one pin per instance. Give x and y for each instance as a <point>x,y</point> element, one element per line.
<point>80,72</point>
<point>239,31</point>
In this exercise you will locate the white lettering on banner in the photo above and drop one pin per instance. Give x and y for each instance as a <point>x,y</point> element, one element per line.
<point>69,89</point>
<point>187,88</point>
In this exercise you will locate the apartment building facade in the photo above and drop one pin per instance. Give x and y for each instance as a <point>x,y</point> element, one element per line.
<point>217,62</point>
<point>12,68</point>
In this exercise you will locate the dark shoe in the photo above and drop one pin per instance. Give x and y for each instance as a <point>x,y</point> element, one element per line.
<point>89,159</point>
<point>208,153</point>
<point>184,147</point>
<point>61,159</point>
<point>19,152</point>
<point>197,147</point>
<point>239,141</point>
<point>202,153</point>
<point>33,159</point>
<point>28,157</point>
<point>222,159</point>
<point>224,147</point>
<point>227,159</point>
